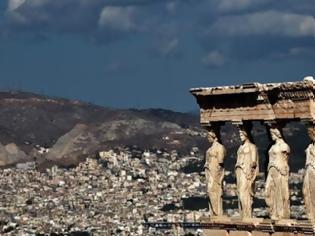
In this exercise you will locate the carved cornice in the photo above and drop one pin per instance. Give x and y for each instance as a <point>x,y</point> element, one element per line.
<point>273,101</point>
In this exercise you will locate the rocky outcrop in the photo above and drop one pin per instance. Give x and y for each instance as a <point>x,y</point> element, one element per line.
<point>11,154</point>
<point>73,147</point>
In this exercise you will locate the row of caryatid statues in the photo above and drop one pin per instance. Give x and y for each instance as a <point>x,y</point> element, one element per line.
<point>277,195</point>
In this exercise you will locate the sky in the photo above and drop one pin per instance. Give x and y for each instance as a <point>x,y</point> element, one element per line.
<point>149,53</point>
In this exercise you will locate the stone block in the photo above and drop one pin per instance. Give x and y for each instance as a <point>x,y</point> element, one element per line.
<point>257,233</point>
<point>240,233</point>
<point>283,234</point>
<point>213,232</point>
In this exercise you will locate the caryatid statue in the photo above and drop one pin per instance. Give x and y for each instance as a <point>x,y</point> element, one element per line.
<point>309,183</point>
<point>214,171</point>
<point>277,184</point>
<point>246,170</point>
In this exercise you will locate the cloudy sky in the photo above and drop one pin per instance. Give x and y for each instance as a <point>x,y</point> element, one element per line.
<point>149,53</point>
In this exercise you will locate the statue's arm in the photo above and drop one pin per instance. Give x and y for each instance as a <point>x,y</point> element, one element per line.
<point>206,159</point>
<point>221,154</point>
<point>254,162</point>
<point>308,154</point>
<point>286,149</point>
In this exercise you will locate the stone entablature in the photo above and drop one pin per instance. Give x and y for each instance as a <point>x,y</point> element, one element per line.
<point>257,102</point>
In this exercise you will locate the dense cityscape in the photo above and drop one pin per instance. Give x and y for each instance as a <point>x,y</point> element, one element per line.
<point>117,193</point>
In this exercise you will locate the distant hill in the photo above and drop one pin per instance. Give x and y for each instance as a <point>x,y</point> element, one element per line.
<point>28,119</point>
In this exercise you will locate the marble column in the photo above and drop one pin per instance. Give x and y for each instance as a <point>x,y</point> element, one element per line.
<point>277,194</point>
<point>246,170</point>
<point>309,177</point>
<point>214,170</point>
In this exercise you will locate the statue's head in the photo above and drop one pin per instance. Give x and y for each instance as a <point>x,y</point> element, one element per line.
<point>245,131</point>
<point>275,133</point>
<point>212,136</point>
<point>243,135</point>
<point>213,133</point>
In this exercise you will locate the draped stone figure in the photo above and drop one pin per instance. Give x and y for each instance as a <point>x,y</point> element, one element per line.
<point>214,171</point>
<point>277,183</point>
<point>246,170</point>
<point>309,183</point>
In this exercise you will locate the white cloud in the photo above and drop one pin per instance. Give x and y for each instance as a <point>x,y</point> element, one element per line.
<point>286,26</point>
<point>214,59</point>
<point>15,16</point>
<point>14,4</point>
<point>233,6</point>
<point>301,51</point>
<point>264,23</point>
<point>228,5</point>
<point>118,18</point>
<point>50,16</point>
<point>169,47</point>
<point>101,21</point>
<point>171,6</point>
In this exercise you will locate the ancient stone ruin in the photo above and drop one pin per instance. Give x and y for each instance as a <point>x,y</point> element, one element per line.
<point>274,105</point>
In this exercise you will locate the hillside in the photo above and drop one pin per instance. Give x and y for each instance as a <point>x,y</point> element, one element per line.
<point>30,120</point>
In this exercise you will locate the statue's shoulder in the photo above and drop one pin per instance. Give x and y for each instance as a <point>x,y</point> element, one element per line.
<point>310,149</point>
<point>217,148</point>
<point>252,146</point>
<point>284,146</point>
<point>248,147</point>
<point>214,147</point>
<point>220,145</point>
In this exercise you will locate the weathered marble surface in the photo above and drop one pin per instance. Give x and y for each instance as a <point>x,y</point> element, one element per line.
<point>214,171</point>
<point>246,169</point>
<point>309,183</point>
<point>274,104</point>
<point>277,183</point>
<point>256,101</point>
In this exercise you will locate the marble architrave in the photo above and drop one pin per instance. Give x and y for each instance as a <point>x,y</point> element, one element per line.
<point>256,101</point>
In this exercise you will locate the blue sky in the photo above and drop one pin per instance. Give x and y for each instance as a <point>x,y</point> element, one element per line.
<point>149,53</point>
